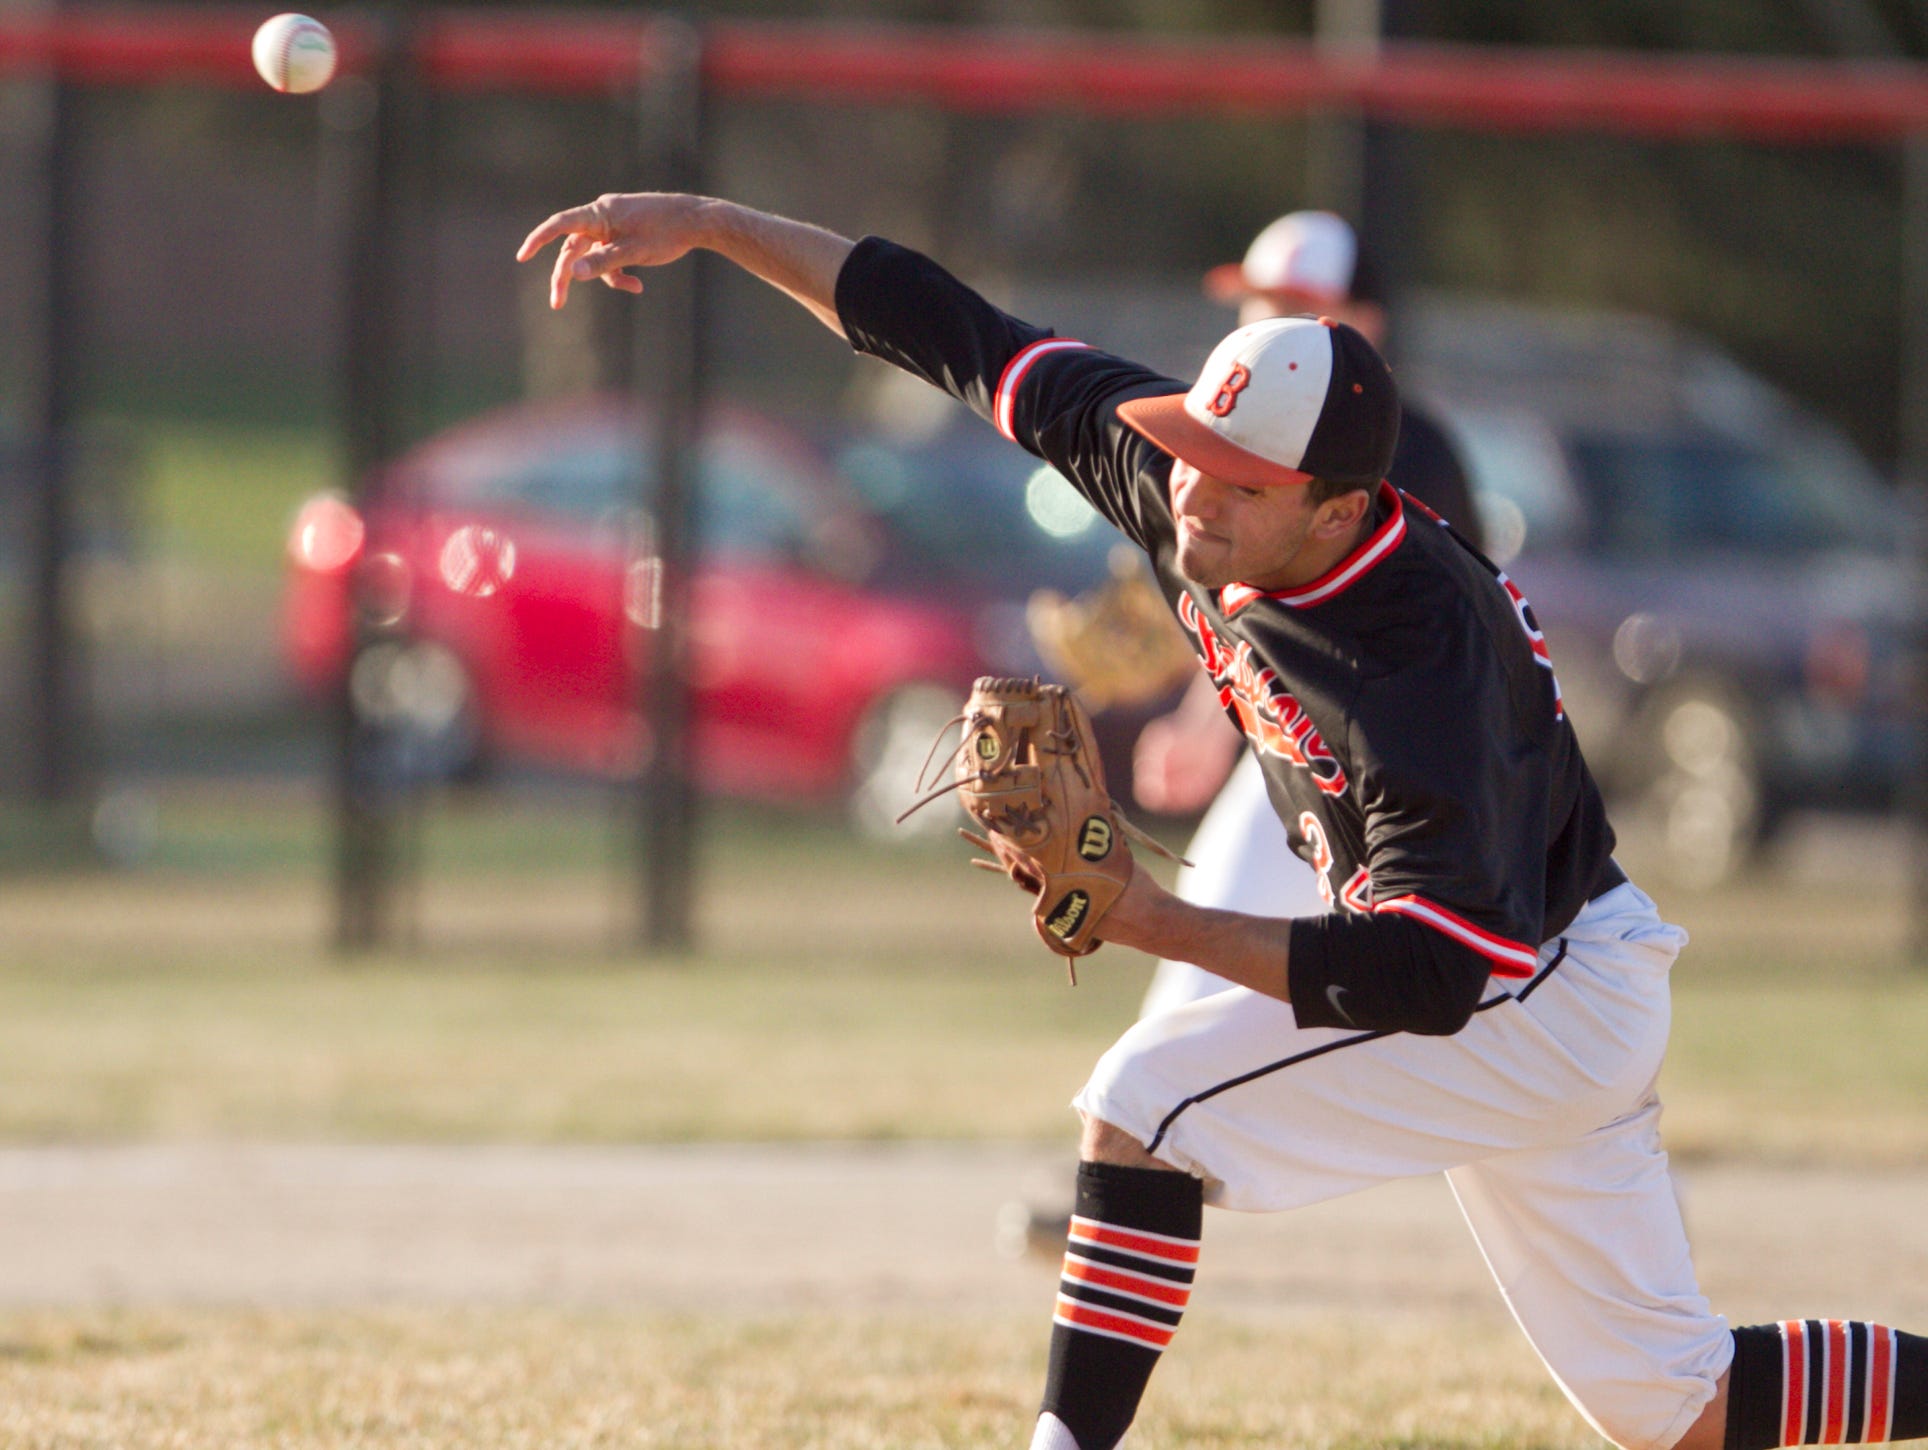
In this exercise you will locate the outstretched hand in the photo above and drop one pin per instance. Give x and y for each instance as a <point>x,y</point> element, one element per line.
<point>602,240</point>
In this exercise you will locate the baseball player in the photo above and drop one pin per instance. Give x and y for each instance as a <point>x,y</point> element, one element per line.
<point>1488,997</point>
<point>1242,859</point>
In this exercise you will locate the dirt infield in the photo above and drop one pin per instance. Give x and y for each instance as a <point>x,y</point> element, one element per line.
<point>818,1226</point>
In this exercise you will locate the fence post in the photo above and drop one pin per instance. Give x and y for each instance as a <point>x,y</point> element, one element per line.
<point>367,186</point>
<point>55,718</point>
<point>1913,471</point>
<point>672,117</point>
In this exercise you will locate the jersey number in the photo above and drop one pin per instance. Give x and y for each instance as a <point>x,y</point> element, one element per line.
<point>1542,656</point>
<point>1315,841</point>
<point>1356,895</point>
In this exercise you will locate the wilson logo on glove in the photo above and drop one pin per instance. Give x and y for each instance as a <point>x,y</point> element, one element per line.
<point>1094,841</point>
<point>1027,771</point>
<point>1063,921</point>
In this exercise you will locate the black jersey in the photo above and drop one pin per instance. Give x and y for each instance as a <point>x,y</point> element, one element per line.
<point>1403,707</point>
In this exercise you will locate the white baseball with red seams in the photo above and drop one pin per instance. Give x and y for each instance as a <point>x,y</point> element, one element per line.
<point>294,53</point>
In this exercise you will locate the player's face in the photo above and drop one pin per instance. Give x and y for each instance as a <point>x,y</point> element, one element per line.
<point>1233,535</point>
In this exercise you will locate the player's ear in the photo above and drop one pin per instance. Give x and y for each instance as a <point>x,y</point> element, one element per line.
<point>1341,513</point>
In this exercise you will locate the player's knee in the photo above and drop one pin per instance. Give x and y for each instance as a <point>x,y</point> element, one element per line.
<point>1122,1103</point>
<point>1105,1143</point>
<point>1623,1431</point>
<point>1646,1418</point>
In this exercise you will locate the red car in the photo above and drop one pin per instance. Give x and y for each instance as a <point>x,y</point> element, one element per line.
<point>506,581</point>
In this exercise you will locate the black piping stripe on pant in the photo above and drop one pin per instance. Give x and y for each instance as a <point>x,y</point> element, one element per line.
<point>1552,966</point>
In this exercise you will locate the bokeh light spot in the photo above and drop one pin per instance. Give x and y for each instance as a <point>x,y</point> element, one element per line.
<point>1055,506</point>
<point>477,561</point>
<point>328,533</point>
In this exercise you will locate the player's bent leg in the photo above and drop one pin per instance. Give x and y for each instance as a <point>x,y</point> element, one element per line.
<point>1710,1430</point>
<point>1129,1260</point>
<point>1260,1114</point>
<point>1586,1243</point>
<point>1103,1143</point>
<point>1270,1116</point>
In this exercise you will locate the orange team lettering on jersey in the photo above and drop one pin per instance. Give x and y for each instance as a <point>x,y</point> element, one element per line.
<point>1271,717</point>
<point>1211,653</point>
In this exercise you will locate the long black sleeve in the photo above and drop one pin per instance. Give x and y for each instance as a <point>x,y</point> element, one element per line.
<point>1382,973</point>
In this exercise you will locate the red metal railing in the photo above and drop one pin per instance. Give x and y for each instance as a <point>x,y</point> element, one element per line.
<point>1780,100</point>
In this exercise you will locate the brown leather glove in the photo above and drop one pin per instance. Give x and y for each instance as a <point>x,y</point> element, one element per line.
<point>1029,774</point>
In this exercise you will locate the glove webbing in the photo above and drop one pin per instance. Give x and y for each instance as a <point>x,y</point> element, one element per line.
<point>1063,741</point>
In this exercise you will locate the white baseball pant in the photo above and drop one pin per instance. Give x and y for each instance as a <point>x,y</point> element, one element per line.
<point>1541,1112</point>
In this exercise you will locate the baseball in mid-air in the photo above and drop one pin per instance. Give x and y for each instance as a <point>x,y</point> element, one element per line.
<point>294,53</point>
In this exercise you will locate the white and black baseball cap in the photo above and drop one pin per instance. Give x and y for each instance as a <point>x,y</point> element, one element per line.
<point>1311,258</point>
<point>1281,402</point>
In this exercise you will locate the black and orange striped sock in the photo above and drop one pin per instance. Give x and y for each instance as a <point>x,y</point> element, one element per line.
<point>1826,1382</point>
<point>1128,1269</point>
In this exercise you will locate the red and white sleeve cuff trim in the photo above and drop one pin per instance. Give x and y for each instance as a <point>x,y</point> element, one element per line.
<point>1004,407</point>
<point>1509,958</point>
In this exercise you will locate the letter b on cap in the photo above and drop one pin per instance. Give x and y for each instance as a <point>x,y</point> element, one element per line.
<point>1226,398</point>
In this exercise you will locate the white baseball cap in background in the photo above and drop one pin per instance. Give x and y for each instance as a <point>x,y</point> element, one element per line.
<point>1311,256</point>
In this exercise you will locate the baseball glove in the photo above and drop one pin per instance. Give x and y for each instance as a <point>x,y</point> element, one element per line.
<point>1117,643</point>
<point>1027,771</point>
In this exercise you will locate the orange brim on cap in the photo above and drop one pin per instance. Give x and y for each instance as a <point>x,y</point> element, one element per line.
<point>1228,283</point>
<point>1165,422</point>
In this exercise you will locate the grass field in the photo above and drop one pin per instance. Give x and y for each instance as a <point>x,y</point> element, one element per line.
<point>402,1380</point>
<point>839,989</point>
<point>223,494</point>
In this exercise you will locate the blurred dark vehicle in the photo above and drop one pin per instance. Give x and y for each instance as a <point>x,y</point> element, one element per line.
<point>1720,576</point>
<point>508,582</point>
